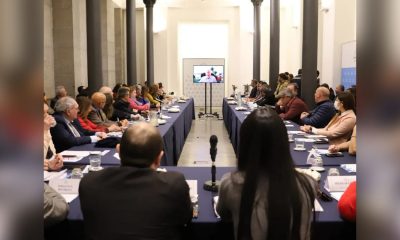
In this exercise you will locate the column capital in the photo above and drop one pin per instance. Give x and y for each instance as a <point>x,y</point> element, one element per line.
<point>149,3</point>
<point>256,2</point>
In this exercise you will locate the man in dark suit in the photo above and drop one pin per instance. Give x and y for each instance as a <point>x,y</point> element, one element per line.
<point>289,106</point>
<point>68,132</point>
<point>134,201</point>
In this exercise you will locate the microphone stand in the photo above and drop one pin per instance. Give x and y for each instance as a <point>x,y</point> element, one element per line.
<point>212,185</point>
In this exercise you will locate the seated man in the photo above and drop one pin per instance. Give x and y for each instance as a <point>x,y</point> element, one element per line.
<point>60,93</point>
<point>55,207</point>
<point>322,113</point>
<point>134,201</point>
<point>97,115</point>
<point>267,98</point>
<point>68,132</point>
<point>122,109</point>
<point>290,107</point>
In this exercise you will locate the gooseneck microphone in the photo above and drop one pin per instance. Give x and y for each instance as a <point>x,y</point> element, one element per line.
<point>212,185</point>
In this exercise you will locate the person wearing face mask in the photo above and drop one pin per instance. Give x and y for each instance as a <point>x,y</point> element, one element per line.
<point>340,128</point>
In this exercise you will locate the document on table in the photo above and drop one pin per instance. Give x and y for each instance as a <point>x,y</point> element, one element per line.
<point>315,136</point>
<point>116,155</point>
<point>193,187</point>
<point>104,152</point>
<point>317,206</point>
<point>289,125</point>
<point>47,176</point>
<point>336,195</point>
<point>297,132</point>
<point>322,151</point>
<point>74,156</point>
<point>349,167</point>
<point>69,197</point>
<point>305,140</point>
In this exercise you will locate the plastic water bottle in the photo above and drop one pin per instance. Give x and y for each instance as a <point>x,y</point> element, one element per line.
<point>239,99</point>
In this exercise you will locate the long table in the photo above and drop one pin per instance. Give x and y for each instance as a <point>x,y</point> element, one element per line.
<point>233,120</point>
<point>206,226</point>
<point>174,134</point>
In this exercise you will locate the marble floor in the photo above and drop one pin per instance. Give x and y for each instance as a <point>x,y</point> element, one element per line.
<point>196,151</point>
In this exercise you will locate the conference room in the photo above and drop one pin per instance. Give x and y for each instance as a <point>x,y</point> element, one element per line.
<point>200,119</point>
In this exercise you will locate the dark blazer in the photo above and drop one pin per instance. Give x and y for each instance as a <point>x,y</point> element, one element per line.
<point>269,99</point>
<point>292,110</point>
<point>253,92</point>
<point>63,137</point>
<point>122,110</point>
<point>134,203</point>
<point>321,115</point>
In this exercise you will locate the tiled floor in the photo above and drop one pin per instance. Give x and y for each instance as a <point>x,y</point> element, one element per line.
<point>196,151</point>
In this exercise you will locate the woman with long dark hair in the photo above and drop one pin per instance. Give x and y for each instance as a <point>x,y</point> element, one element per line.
<point>266,197</point>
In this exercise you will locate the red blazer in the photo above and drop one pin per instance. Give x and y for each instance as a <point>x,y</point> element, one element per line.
<point>134,105</point>
<point>347,203</point>
<point>293,110</point>
<point>89,125</point>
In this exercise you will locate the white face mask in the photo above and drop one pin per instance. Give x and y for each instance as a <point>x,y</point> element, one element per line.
<point>336,105</point>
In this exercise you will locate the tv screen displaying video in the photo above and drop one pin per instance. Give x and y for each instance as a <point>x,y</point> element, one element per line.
<point>208,74</point>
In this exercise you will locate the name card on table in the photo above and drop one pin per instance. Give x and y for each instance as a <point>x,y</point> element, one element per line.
<point>338,183</point>
<point>65,186</point>
<point>68,188</point>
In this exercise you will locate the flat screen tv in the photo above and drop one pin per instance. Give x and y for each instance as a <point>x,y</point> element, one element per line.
<point>208,73</point>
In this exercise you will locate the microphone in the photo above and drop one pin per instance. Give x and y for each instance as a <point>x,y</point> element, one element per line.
<point>212,185</point>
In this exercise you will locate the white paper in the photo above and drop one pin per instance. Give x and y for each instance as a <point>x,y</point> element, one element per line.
<point>351,168</point>
<point>215,200</point>
<point>318,207</point>
<point>164,116</point>
<point>47,176</point>
<point>289,125</point>
<point>338,183</point>
<point>305,140</point>
<point>336,195</point>
<point>315,136</point>
<point>69,197</point>
<point>86,169</point>
<point>193,187</point>
<point>297,132</point>
<point>161,170</point>
<point>72,159</point>
<point>322,151</point>
<point>76,153</point>
<point>114,134</point>
<point>116,155</point>
<point>104,152</point>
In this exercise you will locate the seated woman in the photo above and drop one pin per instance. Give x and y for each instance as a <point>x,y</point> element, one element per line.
<point>122,110</point>
<point>134,103</point>
<point>267,98</point>
<point>161,92</point>
<point>350,145</point>
<point>266,197</point>
<point>154,91</point>
<point>52,161</point>
<point>339,129</point>
<point>146,95</point>
<point>85,107</point>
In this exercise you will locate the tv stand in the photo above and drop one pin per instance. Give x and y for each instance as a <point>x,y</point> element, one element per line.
<point>210,114</point>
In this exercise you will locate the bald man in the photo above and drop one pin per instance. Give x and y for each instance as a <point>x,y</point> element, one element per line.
<point>105,90</point>
<point>320,116</point>
<point>134,200</point>
<point>97,115</point>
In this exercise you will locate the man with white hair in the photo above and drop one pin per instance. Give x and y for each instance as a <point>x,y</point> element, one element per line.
<point>289,106</point>
<point>320,116</point>
<point>105,90</point>
<point>60,92</point>
<point>68,132</point>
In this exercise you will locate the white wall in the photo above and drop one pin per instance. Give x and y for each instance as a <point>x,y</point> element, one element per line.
<point>48,49</point>
<point>339,26</point>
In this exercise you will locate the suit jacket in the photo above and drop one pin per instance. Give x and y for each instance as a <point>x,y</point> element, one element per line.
<point>122,110</point>
<point>55,207</point>
<point>63,137</point>
<point>340,128</point>
<point>134,203</point>
<point>98,117</point>
<point>293,110</point>
<point>321,115</point>
<point>253,92</point>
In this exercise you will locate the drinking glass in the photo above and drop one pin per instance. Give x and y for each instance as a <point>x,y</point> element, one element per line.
<point>95,161</point>
<point>299,144</point>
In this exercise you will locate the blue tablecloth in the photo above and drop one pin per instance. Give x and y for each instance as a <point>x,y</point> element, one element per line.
<point>233,119</point>
<point>174,134</point>
<point>329,220</point>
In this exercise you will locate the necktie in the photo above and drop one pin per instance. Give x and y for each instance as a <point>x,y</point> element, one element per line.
<point>73,129</point>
